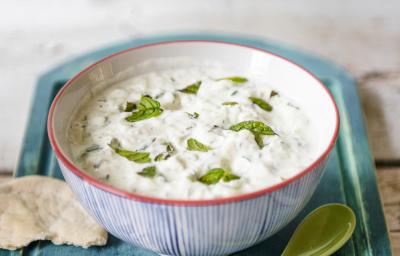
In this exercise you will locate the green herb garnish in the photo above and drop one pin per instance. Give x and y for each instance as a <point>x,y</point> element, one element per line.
<point>161,157</point>
<point>148,172</point>
<point>195,115</point>
<point>164,156</point>
<point>135,156</point>
<point>230,103</point>
<point>261,103</point>
<point>259,140</point>
<point>257,128</point>
<point>192,89</point>
<point>273,93</point>
<point>129,107</point>
<point>92,148</point>
<point>170,148</point>
<point>235,79</point>
<point>213,176</point>
<point>195,145</point>
<point>253,126</point>
<point>230,176</point>
<point>147,108</point>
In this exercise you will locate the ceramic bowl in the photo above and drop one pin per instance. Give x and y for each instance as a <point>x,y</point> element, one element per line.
<point>196,227</point>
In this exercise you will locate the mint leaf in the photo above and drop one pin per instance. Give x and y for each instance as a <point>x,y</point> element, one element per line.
<point>143,114</point>
<point>273,93</point>
<point>164,156</point>
<point>195,115</point>
<point>147,108</point>
<point>213,176</point>
<point>259,140</point>
<point>195,145</point>
<point>147,102</point>
<point>192,89</point>
<point>256,127</point>
<point>129,107</point>
<point>261,103</point>
<point>170,148</point>
<point>161,157</point>
<point>114,144</point>
<point>229,177</point>
<point>135,156</point>
<point>148,172</point>
<point>230,103</point>
<point>235,79</point>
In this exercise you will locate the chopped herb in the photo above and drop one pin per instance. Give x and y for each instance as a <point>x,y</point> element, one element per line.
<point>129,107</point>
<point>161,157</point>
<point>164,156</point>
<point>148,172</point>
<point>195,145</point>
<point>230,103</point>
<point>195,115</point>
<point>114,144</point>
<point>293,106</point>
<point>92,148</point>
<point>230,176</point>
<point>213,176</point>
<point>235,79</point>
<point>172,79</point>
<point>147,108</point>
<point>257,128</point>
<point>234,93</point>
<point>261,103</point>
<point>192,89</point>
<point>97,165</point>
<point>159,95</point>
<point>89,150</point>
<point>170,147</point>
<point>259,140</point>
<point>135,156</point>
<point>273,93</point>
<point>253,126</point>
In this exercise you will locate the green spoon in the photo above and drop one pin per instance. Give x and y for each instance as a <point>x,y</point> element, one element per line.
<point>322,232</point>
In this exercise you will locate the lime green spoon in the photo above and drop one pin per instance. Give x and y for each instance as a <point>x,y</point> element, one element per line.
<point>322,232</point>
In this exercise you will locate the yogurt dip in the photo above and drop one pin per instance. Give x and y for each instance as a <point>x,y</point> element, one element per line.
<point>198,132</point>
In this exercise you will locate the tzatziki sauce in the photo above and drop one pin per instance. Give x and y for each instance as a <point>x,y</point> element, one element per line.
<point>197,132</point>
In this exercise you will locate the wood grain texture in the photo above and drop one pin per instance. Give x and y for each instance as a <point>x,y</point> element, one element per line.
<point>389,185</point>
<point>5,177</point>
<point>380,97</point>
<point>396,243</point>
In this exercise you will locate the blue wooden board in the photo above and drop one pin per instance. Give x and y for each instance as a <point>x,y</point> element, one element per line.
<point>349,177</point>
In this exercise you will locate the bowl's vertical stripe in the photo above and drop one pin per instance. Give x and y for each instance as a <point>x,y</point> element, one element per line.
<point>195,230</point>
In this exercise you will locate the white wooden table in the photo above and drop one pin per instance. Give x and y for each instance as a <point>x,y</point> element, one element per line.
<point>361,35</point>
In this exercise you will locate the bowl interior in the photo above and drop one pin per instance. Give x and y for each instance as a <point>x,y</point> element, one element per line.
<point>289,79</point>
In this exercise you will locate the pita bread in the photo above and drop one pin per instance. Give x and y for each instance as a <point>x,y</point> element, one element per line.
<point>42,208</point>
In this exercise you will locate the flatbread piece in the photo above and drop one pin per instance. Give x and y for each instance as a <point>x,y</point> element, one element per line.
<point>42,208</point>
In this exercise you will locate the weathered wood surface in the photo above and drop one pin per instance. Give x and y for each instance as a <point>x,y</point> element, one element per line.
<point>389,185</point>
<point>380,97</point>
<point>5,177</point>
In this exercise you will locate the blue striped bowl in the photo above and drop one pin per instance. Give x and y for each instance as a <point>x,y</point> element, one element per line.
<point>196,227</point>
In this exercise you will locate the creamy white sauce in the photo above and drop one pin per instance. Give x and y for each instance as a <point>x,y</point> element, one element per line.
<point>100,119</point>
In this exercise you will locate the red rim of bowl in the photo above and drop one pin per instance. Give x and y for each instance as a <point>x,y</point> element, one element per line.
<point>61,157</point>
